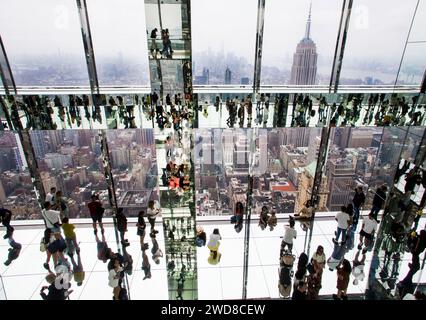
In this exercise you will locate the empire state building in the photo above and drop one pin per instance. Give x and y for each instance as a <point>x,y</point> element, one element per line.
<point>304,68</point>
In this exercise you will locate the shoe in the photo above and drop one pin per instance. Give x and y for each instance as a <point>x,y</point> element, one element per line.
<point>6,236</point>
<point>343,242</point>
<point>46,266</point>
<point>7,263</point>
<point>360,247</point>
<point>344,297</point>
<point>335,297</point>
<point>334,241</point>
<point>364,251</point>
<point>95,231</point>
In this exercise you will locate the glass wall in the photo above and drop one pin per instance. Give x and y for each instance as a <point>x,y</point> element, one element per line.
<point>43,42</point>
<point>134,168</point>
<point>16,189</point>
<point>119,42</point>
<point>371,58</point>
<point>296,34</point>
<point>71,161</point>
<point>223,44</point>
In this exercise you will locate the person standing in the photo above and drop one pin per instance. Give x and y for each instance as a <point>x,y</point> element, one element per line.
<point>214,243</point>
<point>70,237</point>
<point>122,226</point>
<point>343,222</point>
<point>96,213</point>
<point>358,201</point>
<point>114,279</point>
<point>289,234</point>
<point>367,232</point>
<point>50,197</point>
<point>141,226</point>
<point>343,275</point>
<point>5,217</point>
<point>154,209</point>
<point>318,262</point>
<point>379,201</point>
<point>51,217</point>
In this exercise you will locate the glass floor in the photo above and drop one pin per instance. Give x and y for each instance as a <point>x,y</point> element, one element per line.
<point>24,277</point>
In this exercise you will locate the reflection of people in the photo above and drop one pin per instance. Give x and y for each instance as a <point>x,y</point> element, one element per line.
<point>114,279</point>
<point>154,209</point>
<point>14,251</point>
<point>306,212</point>
<point>154,49</point>
<point>379,200</point>
<point>5,217</point>
<point>358,268</point>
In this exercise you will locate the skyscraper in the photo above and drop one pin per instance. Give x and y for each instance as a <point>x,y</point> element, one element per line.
<point>304,68</point>
<point>228,76</point>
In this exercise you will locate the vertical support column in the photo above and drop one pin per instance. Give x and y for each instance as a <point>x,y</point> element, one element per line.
<point>319,171</point>
<point>112,196</point>
<point>254,133</point>
<point>27,147</point>
<point>178,215</point>
<point>340,45</point>
<point>259,43</point>
<point>5,71</point>
<point>88,46</point>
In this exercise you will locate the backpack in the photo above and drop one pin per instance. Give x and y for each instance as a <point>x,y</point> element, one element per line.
<point>123,294</point>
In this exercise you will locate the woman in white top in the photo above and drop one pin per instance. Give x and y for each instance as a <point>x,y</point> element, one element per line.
<point>214,242</point>
<point>318,262</point>
<point>114,277</point>
<point>154,209</point>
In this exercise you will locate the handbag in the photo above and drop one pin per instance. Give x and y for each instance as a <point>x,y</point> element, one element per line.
<point>42,245</point>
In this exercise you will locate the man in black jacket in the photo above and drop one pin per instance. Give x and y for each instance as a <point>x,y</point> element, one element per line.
<point>358,201</point>
<point>379,200</point>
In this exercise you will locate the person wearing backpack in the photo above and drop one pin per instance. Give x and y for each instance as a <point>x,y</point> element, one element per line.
<point>96,213</point>
<point>122,226</point>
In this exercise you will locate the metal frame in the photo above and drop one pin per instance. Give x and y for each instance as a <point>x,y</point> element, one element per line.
<point>259,45</point>
<point>88,46</point>
<point>406,43</point>
<point>6,73</point>
<point>340,45</point>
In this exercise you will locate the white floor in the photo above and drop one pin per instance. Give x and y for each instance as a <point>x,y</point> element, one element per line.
<point>25,276</point>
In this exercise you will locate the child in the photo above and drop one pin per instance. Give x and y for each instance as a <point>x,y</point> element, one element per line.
<point>70,236</point>
<point>272,221</point>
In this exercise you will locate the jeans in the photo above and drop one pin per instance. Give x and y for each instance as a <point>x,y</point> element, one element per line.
<point>355,218</point>
<point>375,211</point>
<point>341,231</point>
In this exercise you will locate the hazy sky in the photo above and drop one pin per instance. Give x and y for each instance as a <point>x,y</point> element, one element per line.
<point>378,28</point>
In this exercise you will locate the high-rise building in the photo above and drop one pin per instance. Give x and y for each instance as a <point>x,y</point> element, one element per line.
<point>228,76</point>
<point>304,68</point>
<point>245,80</point>
<point>37,140</point>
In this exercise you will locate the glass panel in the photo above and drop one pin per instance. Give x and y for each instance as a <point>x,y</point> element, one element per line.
<point>119,41</point>
<point>43,42</point>
<point>134,168</point>
<point>225,49</point>
<point>71,161</point>
<point>414,65</point>
<point>16,189</point>
<point>371,27</point>
<point>307,42</point>
<point>351,163</point>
